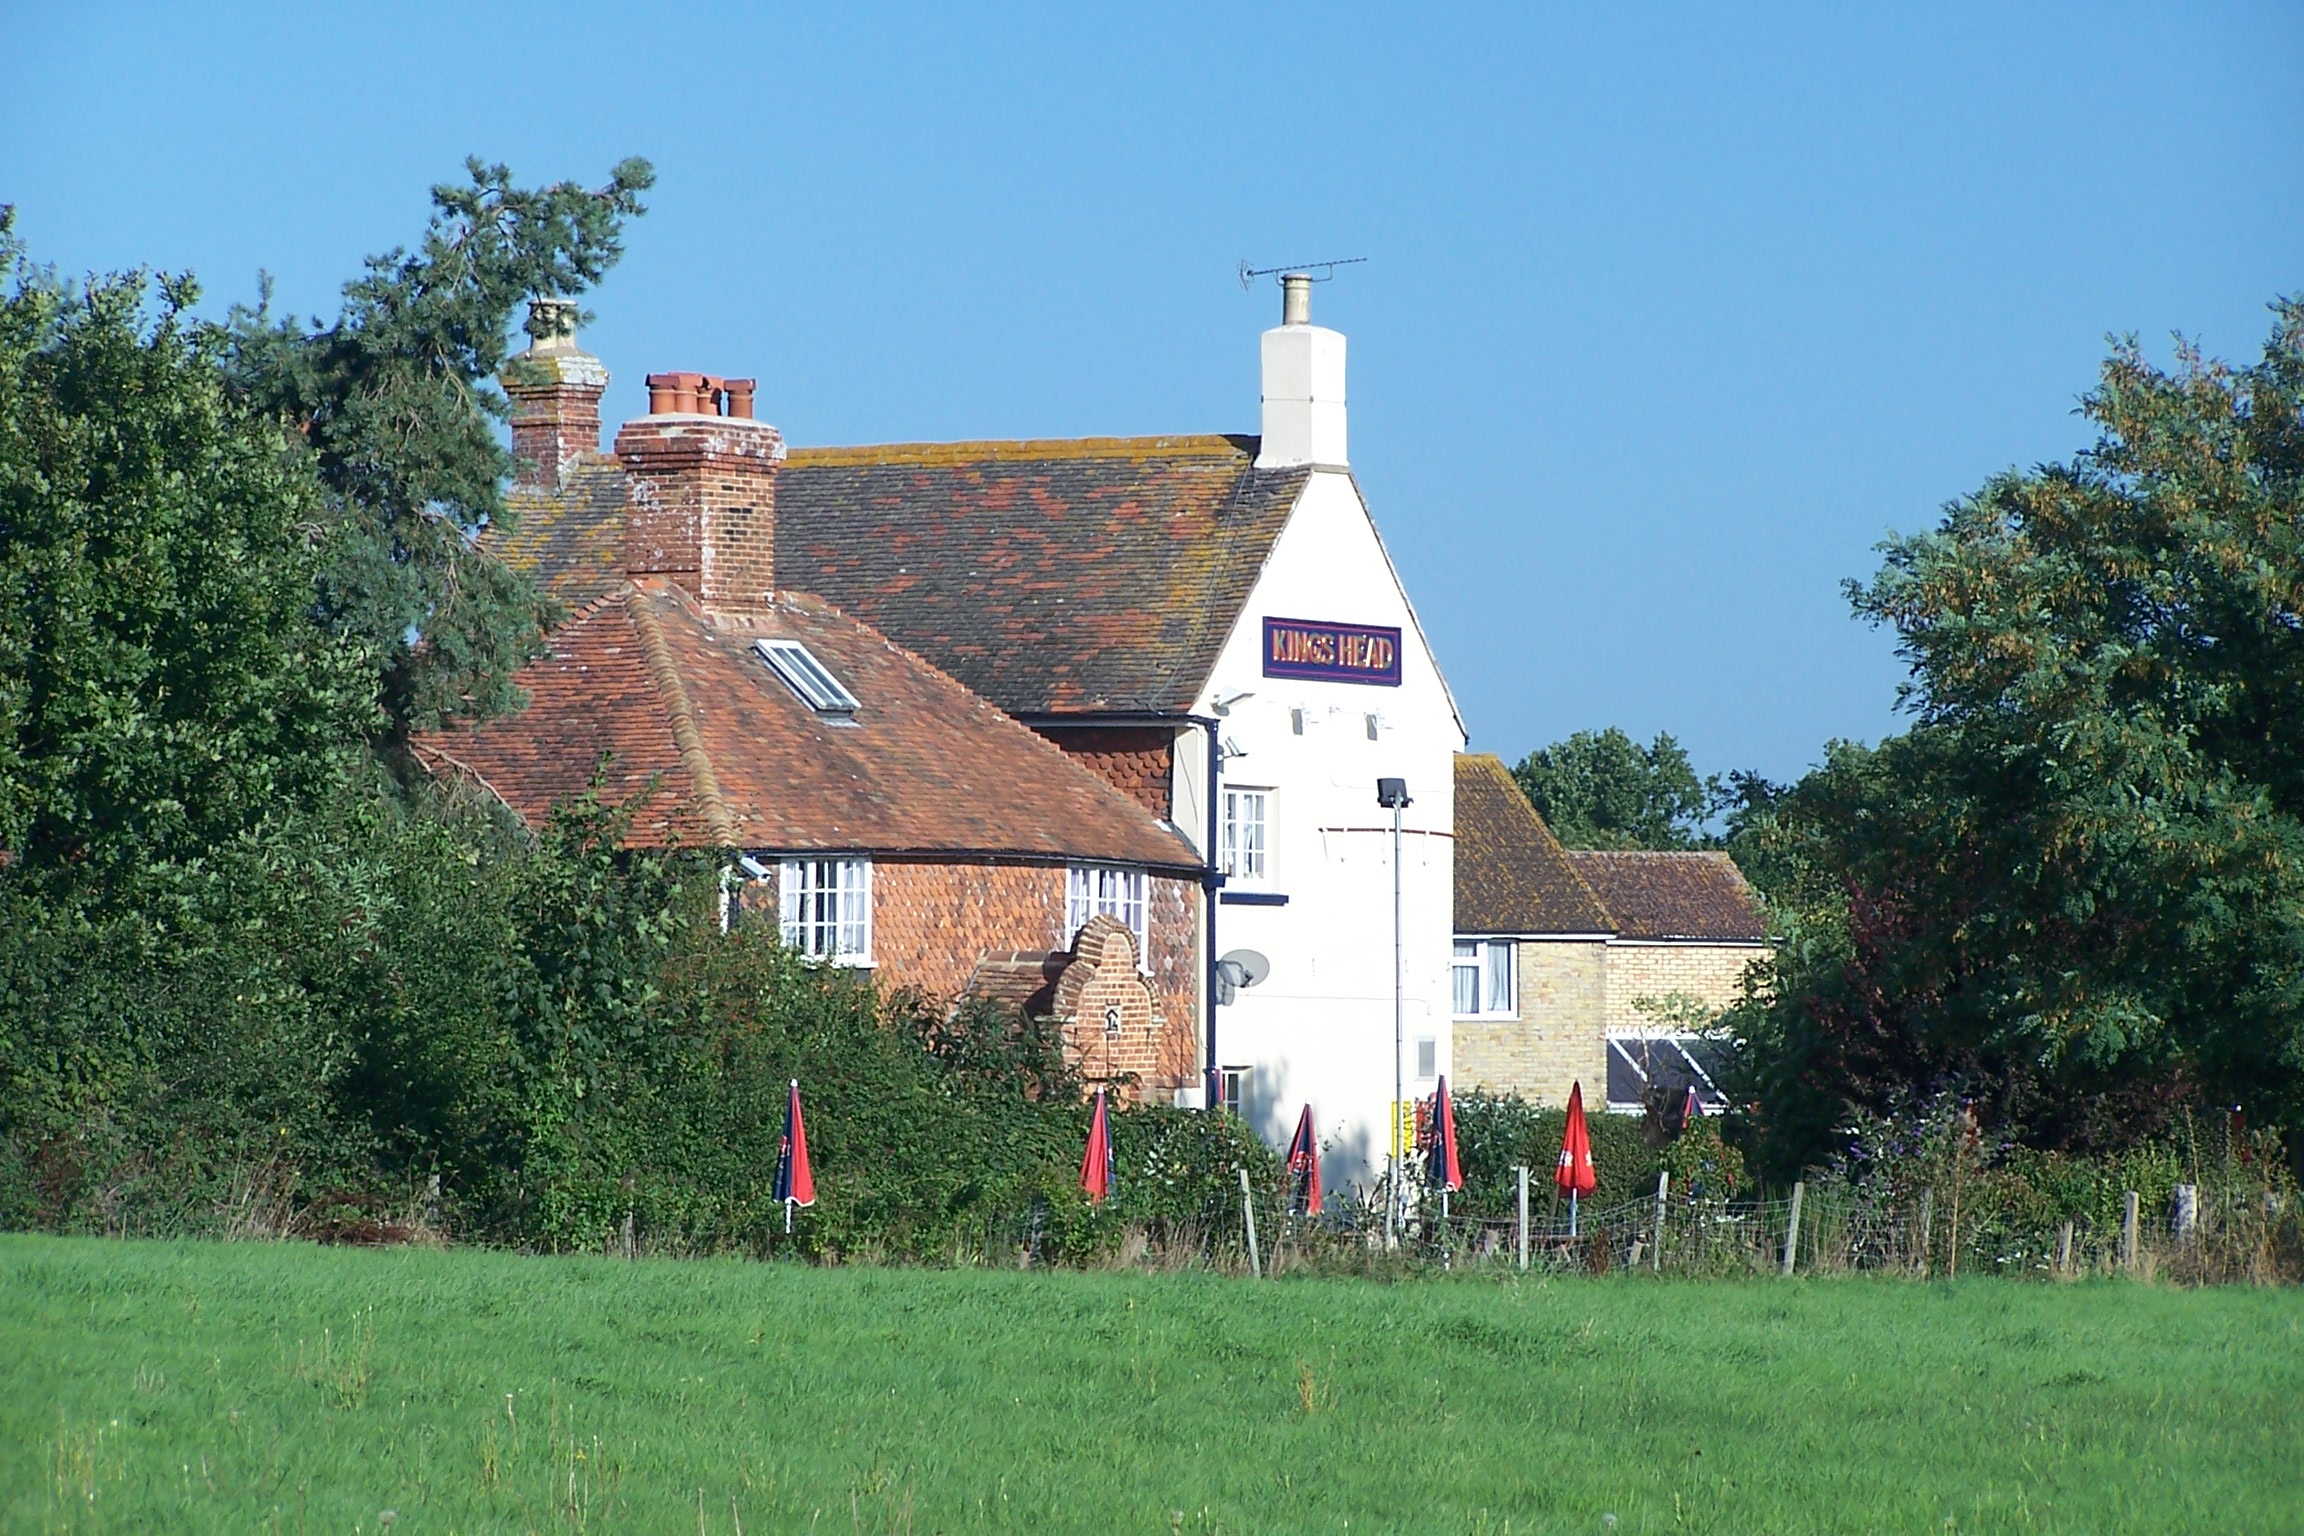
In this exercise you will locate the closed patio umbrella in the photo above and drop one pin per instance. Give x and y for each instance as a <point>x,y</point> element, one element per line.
<point>1574,1176</point>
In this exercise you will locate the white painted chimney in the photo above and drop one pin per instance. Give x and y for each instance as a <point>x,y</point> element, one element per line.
<point>1303,384</point>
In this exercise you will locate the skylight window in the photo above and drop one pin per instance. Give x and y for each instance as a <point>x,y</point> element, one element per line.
<point>806,676</point>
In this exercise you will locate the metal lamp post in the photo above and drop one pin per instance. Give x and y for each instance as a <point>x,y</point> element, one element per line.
<point>1392,794</point>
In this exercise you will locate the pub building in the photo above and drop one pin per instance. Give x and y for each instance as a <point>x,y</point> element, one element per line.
<point>1064,723</point>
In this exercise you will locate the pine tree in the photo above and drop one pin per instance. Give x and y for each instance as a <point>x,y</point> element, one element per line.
<point>396,400</point>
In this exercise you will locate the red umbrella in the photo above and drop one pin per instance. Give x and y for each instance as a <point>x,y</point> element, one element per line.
<point>795,1180</point>
<point>1693,1110</point>
<point>1096,1162</point>
<point>1304,1163</point>
<point>1446,1171</point>
<point>1575,1175</point>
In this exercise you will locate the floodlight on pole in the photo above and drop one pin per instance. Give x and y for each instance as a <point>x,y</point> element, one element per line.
<point>1392,794</point>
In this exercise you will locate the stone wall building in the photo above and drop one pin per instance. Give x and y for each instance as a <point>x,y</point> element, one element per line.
<point>1603,968</point>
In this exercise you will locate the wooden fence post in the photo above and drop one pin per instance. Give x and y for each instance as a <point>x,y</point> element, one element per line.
<point>1663,1186</point>
<point>2128,1233</point>
<point>1248,1212</point>
<point>1522,1170</point>
<point>2064,1250</point>
<point>1792,1227</point>
<point>1927,1218</point>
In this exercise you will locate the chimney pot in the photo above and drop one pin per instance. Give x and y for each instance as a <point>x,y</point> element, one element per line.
<point>1296,298</point>
<point>700,490</point>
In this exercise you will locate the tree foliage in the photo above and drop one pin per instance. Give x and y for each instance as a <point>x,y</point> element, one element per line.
<point>1602,789</point>
<point>2074,890</point>
<point>396,400</point>
<point>162,685</point>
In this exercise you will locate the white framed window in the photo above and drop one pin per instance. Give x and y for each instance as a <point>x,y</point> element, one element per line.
<point>1484,978</point>
<point>827,908</point>
<point>1247,844</point>
<point>1233,1086</point>
<point>806,676</point>
<point>1090,889</point>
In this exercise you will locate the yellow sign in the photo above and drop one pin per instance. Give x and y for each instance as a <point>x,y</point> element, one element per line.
<point>1403,1127</point>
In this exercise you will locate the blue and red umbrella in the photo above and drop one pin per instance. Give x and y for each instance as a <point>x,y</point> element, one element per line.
<point>1444,1171</point>
<point>1096,1162</point>
<point>1304,1165</point>
<point>795,1180</point>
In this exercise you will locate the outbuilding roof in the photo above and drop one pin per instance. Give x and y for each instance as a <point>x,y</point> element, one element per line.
<point>1697,896</point>
<point>681,700</point>
<point>1512,875</point>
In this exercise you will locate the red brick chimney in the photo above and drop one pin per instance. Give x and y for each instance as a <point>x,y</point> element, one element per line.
<point>700,500</point>
<point>555,389</point>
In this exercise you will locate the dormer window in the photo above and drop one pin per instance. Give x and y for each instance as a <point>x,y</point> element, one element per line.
<point>807,677</point>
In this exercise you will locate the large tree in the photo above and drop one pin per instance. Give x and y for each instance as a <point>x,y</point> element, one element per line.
<point>2075,889</point>
<point>395,399</point>
<point>163,687</point>
<point>1602,789</point>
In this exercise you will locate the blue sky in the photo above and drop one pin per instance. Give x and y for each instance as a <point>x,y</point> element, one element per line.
<point>1670,313</point>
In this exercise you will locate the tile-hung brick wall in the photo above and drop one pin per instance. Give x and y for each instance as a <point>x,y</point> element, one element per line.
<point>1556,1039</point>
<point>933,922</point>
<point>1711,973</point>
<point>1135,760</point>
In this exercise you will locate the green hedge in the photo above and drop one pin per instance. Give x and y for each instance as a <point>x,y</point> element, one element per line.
<point>423,1016</point>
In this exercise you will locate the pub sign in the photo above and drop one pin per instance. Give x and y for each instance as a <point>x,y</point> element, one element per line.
<point>1332,653</point>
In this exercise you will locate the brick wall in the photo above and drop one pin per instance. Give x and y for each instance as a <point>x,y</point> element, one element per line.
<point>702,506</point>
<point>932,923</point>
<point>1558,1037</point>
<point>1572,993</point>
<point>1175,967</point>
<point>1136,760</point>
<point>1711,973</point>
<point>552,429</point>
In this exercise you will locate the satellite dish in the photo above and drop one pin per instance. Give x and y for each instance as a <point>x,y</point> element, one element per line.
<point>1243,968</point>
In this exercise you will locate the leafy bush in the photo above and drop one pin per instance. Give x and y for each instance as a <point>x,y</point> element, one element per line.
<point>1494,1133</point>
<point>546,1042</point>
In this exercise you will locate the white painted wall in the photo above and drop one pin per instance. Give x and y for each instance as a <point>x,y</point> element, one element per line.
<point>1320,1030</point>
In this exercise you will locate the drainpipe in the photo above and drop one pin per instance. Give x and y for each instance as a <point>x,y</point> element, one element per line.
<point>1211,878</point>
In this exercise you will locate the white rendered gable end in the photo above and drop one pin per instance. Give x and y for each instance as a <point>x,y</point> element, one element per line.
<point>1254,610</point>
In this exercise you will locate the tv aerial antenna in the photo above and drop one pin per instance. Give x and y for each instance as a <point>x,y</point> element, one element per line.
<point>1318,271</point>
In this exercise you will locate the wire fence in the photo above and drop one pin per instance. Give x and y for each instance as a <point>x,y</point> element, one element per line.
<point>2233,1233</point>
<point>2202,1235</point>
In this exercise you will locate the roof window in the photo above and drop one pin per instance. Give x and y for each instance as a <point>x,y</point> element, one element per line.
<point>806,676</point>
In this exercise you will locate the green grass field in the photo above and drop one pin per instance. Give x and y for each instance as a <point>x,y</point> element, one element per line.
<point>259,1387</point>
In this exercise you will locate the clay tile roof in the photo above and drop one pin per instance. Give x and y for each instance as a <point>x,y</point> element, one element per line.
<point>1096,574</point>
<point>1674,895</point>
<point>1024,979</point>
<point>1512,876</point>
<point>571,541</point>
<point>923,766</point>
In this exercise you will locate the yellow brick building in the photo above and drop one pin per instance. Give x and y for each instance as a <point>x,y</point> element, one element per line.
<point>1596,967</point>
